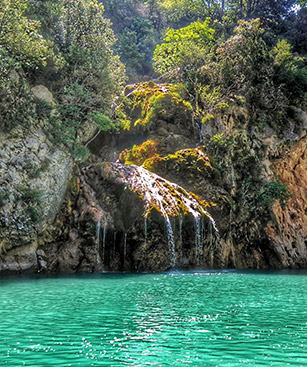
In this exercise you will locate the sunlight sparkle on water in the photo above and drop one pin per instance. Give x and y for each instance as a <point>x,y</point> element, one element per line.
<point>172,319</point>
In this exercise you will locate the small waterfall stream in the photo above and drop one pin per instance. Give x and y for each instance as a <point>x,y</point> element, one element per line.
<point>145,229</point>
<point>199,132</point>
<point>171,241</point>
<point>114,244</point>
<point>168,198</point>
<point>125,248</point>
<point>105,226</point>
<point>98,227</point>
<point>180,228</point>
<point>198,241</point>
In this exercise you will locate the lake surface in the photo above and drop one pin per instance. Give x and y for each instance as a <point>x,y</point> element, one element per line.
<point>172,319</point>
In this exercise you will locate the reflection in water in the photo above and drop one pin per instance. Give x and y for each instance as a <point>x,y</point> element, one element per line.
<point>174,319</point>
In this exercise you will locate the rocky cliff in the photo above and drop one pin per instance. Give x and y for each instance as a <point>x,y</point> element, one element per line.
<point>170,200</point>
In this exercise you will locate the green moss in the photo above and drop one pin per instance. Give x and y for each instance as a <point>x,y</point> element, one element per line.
<point>29,195</point>
<point>149,97</point>
<point>33,214</point>
<point>182,160</point>
<point>139,153</point>
<point>3,196</point>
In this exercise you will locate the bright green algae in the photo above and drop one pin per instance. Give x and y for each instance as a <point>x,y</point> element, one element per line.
<point>173,319</point>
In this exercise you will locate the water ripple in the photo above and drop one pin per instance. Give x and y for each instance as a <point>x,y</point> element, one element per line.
<point>172,319</point>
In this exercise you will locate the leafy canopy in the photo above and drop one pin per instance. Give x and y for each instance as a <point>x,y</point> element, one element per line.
<point>182,47</point>
<point>19,36</point>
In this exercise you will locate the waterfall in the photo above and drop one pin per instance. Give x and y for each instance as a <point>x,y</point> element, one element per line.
<point>171,241</point>
<point>125,248</point>
<point>168,198</point>
<point>98,226</point>
<point>180,227</point>
<point>210,234</point>
<point>202,229</point>
<point>199,132</point>
<point>174,225</point>
<point>145,229</point>
<point>198,242</point>
<point>211,243</point>
<point>105,225</point>
<point>114,244</point>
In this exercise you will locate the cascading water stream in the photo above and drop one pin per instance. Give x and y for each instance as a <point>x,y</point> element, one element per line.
<point>105,226</point>
<point>198,241</point>
<point>168,198</point>
<point>199,132</point>
<point>114,244</point>
<point>171,241</point>
<point>145,229</point>
<point>125,248</point>
<point>98,227</point>
<point>180,228</point>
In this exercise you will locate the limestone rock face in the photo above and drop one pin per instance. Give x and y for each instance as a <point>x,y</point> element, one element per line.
<point>33,181</point>
<point>288,228</point>
<point>104,215</point>
<point>43,93</point>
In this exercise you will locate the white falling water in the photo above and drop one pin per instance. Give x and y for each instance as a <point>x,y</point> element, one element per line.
<point>114,244</point>
<point>211,243</point>
<point>171,241</point>
<point>180,227</point>
<point>125,248</point>
<point>105,226</point>
<point>198,242</point>
<point>168,198</point>
<point>145,229</point>
<point>202,229</point>
<point>98,226</point>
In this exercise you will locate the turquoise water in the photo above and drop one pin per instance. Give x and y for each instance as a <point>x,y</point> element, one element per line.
<point>173,319</point>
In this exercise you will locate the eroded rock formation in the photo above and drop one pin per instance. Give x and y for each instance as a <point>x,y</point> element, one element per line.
<point>219,204</point>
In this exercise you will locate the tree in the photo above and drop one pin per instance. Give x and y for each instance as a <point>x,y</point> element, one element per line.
<point>183,50</point>
<point>181,11</point>
<point>21,48</point>
<point>19,36</point>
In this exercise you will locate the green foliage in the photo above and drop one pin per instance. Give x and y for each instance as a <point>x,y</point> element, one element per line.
<point>34,215</point>
<point>139,153</point>
<point>41,169</point>
<point>220,141</point>
<point>137,25</point>
<point>21,48</point>
<point>20,36</point>
<point>85,75</point>
<point>29,195</point>
<point>104,123</point>
<point>33,200</point>
<point>177,11</point>
<point>264,193</point>
<point>272,191</point>
<point>209,100</point>
<point>136,44</point>
<point>290,72</point>
<point>16,101</point>
<point>150,98</point>
<point>182,10</point>
<point>3,196</point>
<point>182,50</point>
<point>185,162</point>
<point>244,66</point>
<point>282,53</point>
